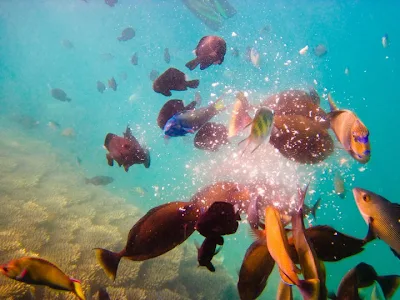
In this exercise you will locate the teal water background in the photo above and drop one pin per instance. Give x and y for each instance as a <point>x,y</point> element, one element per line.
<point>32,57</point>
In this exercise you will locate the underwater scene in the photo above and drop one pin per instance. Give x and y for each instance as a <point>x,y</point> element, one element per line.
<point>199,149</point>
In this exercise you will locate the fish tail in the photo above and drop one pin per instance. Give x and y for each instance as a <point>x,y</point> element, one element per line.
<point>389,284</point>
<point>109,261</point>
<point>78,289</point>
<point>147,159</point>
<point>192,64</point>
<point>193,83</point>
<point>315,207</point>
<point>219,105</point>
<point>309,288</point>
<point>332,104</point>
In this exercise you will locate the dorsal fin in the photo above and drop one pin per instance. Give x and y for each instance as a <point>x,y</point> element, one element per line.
<point>332,103</point>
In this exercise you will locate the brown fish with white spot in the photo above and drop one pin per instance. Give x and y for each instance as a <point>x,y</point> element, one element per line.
<point>173,79</point>
<point>210,50</point>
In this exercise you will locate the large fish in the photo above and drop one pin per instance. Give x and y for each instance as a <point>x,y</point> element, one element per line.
<point>382,217</point>
<point>260,128</point>
<point>240,117</point>
<point>173,79</point>
<point>192,120</point>
<point>126,151</point>
<point>159,231</point>
<point>34,270</point>
<point>256,267</point>
<point>350,132</point>
<point>210,50</point>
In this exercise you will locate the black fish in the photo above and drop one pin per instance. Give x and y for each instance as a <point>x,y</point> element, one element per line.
<point>206,252</point>
<point>173,79</point>
<point>210,50</point>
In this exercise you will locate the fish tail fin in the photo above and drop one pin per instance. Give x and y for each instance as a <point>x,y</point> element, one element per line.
<point>315,208</point>
<point>389,284</point>
<point>192,64</point>
<point>309,288</point>
<point>257,234</point>
<point>109,261</point>
<point>193,84</point>
<point>219,105</point>
<point>78,289</point>
<point>147,159</point>
<point>332,104</point>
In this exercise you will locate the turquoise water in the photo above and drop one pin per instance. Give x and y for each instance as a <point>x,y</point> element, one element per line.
<point>32,58</point>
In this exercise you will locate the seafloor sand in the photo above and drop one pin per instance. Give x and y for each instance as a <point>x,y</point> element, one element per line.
<point>48,211</point>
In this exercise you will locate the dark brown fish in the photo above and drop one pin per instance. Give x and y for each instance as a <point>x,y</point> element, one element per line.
<point>99,180</point>
<point>59,94</point>
<point>256,267</point>
<point>159,231</point>
<point>111,3</point>
<point>112,84</point>
<point>300,139</point>
<point>211,137</point>
<point>219,219</point>
<point>171,108</point>
<point>134,59</point>
<point>226,191</point>
<point>332,245</point>
<point>100,86</point>
<point>208,249</point>
<point>127,34</point>
<point>210,50</point>
<point>153,75</point>
<point>126,151</point>
<point>167,57</point>
<point>297,102</point>
<point>173,79</point>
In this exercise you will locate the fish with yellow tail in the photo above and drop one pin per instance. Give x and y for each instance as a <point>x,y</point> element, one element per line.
<point>260,128</point>
<point>350,132</point>
<point>34,270</point>
<point>240,117</point>
<point>382,217</point>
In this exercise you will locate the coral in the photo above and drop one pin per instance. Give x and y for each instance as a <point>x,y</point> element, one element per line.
<point>165,294</point>
<point>128,272</point>
<point>35,239</point>
<point>64,255</point>
<point>136,293</point>
<point>12,289</point>
<point>9,240</point>
<point>117,293</point>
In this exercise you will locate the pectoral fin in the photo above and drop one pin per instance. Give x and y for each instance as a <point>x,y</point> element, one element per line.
<point>22,275</point>
<point>370,234</point>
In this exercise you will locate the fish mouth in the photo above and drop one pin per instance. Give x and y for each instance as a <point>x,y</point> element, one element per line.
<point>357,194</point>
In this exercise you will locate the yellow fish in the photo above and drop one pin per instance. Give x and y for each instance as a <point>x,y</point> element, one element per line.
<point>260,128</point>
<point>34,270</point>
<point>350,132</point>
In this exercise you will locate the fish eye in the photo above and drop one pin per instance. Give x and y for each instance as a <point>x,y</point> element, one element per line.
<point>5,269</point>
<point>365,197</point>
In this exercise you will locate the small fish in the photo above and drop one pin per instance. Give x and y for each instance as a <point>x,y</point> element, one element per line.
<point>112,84</point>
<point>126,151</point>
<point>153,75</point>
<point>167,57</point>
<point>240,117</point>
<point>134,59</point>
<point>127,34</point>
<point>385,40</point>
<point>99,180</point>
<point>192,120</point>
<point>338,183</point>
<point>235,52</point>
<point>163,228</point>
<point>173,79</point>
<point>382,217</point>
<point>303,50</point>
<point>78,160</point>
<point>111,3</point>
<point>69,132</point>
<point>260,128</point>
<point>211,136</point>
<point>59,94</point>
<point>219,219</point>
<point>255,57</point>
<point>350,132</point>
<point>320,50</point>
<point>208,250</point>
<point>346,71</point>
<point>256,268</point>
<point>100,86</point>
<point>53,125</point>
<point>67,44</point>
<point>210,50</point>
<point>34,270</point>
<point>141,191</point>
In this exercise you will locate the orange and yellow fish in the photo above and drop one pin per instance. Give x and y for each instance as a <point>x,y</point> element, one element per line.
<point>240,117</point>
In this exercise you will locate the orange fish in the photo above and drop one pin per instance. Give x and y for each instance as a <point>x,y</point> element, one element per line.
<point>34,270</point>
<point>240,116</point>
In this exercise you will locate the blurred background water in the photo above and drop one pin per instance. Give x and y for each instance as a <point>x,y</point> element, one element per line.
<point>33,60</point>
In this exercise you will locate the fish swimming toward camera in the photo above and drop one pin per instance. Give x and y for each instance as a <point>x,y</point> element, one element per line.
<point>112,84</point>
<point>350,132</point>
<point>126,34</point>
<point>59,94</point>
<point>99,180</point>
<point>163,228</point>
<point>173,79</point>
<point>210,50</point>
<point>100,87</point>
<point>240,117</point>
<point>192,120</point>
<point>208,250</point>
<point>261,127</point>
<point>126,151</point>
<point>382,217</point>
<point>38,271</point>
